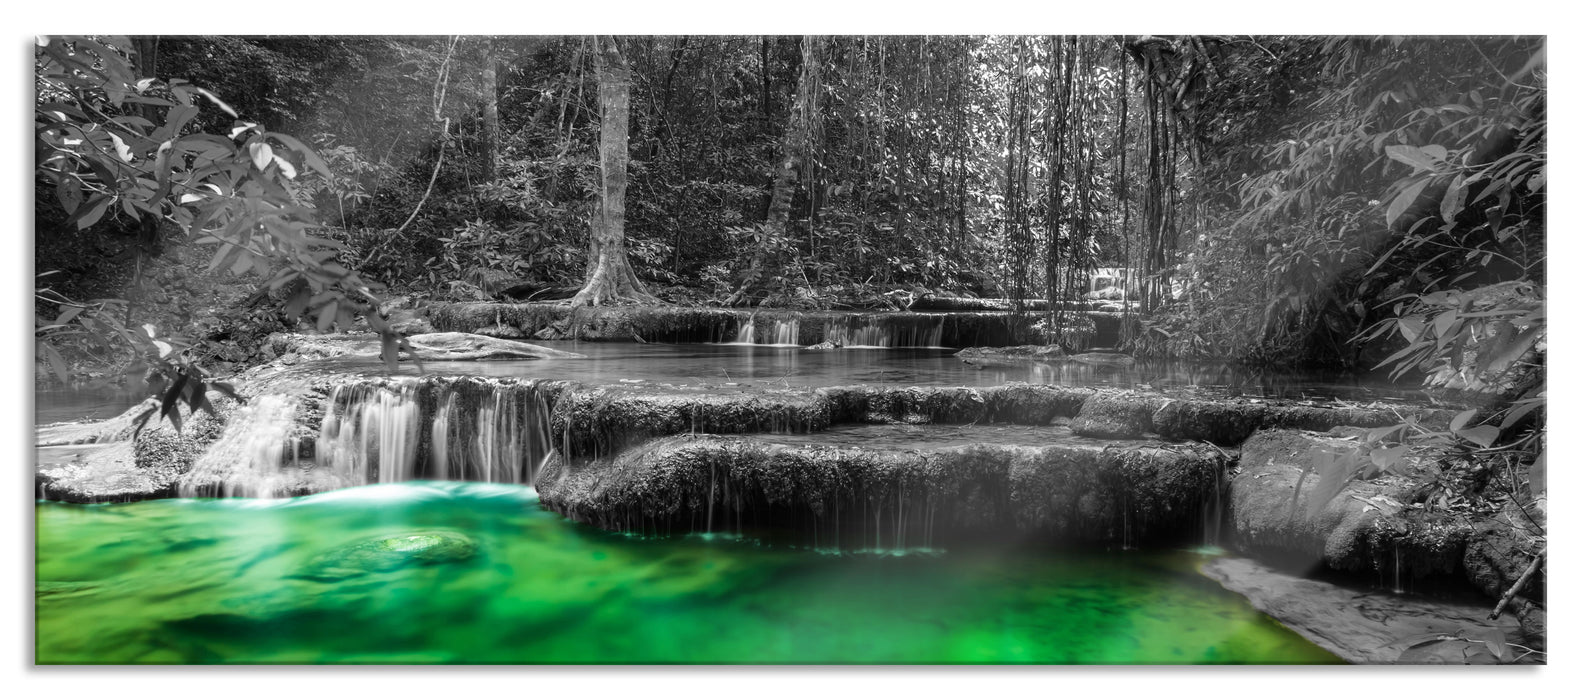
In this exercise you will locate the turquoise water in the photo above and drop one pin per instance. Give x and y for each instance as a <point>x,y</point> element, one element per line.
<point>442,572</point>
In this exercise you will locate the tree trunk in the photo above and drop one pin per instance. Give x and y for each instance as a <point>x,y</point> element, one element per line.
<point>611,277</point>
<point>491,112</point>
<point>795,152</point>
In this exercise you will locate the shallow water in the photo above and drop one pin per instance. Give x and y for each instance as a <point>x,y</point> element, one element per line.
<point>243,581</point>
<point>60,405</point>
<point>749,365</point>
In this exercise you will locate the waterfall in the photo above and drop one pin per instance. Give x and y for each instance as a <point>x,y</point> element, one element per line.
<point>744,333</point>
<point>371,433</point>
<point>787,331</point>
<point>497,435</point>
<point>249,457</point>
<point>887,331</point>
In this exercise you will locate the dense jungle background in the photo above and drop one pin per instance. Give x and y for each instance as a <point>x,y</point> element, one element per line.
<point>1353,201</point>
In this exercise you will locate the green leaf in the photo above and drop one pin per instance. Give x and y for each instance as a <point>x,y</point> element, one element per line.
<point>262,155</point>
<point>1483,435</point>
<point>1418,158</point>
<point>1518,411</point>
<point>327,316</point>
<point>216,100</point>
<point>91,212</point>
<point>56,363</point>
<point>168,404</point>
<point>1404,201</point>
<point>1461,418</point>
<point>121,150</point>
<point>1443,322</point>
<point>1335,471</point>
<point>1455,199</point>
<point>1538,473</point>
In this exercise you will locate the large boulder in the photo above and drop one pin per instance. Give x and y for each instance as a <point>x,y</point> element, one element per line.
<point>1365,527</point>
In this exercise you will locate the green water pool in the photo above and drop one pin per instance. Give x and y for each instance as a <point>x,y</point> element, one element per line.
<point>439,572</point>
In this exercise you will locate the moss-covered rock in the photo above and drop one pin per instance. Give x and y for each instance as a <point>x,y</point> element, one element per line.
<point>1054,493</point>
<point>1032,404</point>
<point>596,421</point>
<point>1365,527</point>
<point>1112,414</point>
<point>910,405</point>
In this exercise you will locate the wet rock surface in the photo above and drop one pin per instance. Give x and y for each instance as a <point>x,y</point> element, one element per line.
<point>1010,356</point>
<point>126,469</point>
<point>1117,415</point>
<point>1071,493</point>
<point>1365,527</point>
<point>1366,626</point>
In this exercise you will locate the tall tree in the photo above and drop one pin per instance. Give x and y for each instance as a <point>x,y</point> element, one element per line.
<point>491,109</point>
<point>795,146</point>
<point>610,277</point>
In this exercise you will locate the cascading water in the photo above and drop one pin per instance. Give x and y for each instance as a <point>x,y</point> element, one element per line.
<point>502,438</point>
<point>249,459</point>
<point>745,333</point>
<point>371,434</point>
<point>783,332</point>
<point>887,332</point>
<point>787,331</point>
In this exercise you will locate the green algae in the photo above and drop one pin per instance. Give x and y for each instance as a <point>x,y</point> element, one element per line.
<point>478,573</point>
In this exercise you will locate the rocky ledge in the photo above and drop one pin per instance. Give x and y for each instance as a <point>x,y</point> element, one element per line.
<point>1072,492</point>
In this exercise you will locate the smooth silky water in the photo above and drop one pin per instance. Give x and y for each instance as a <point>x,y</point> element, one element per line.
<point>450,572</point>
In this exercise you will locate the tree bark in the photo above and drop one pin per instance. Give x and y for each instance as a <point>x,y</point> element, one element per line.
<point>795,150</point>
<point>491,111</point>
<point>611,277</point>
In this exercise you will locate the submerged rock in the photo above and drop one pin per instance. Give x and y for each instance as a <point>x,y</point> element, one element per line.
<point>1104,359</point>
<point>389,553</point>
